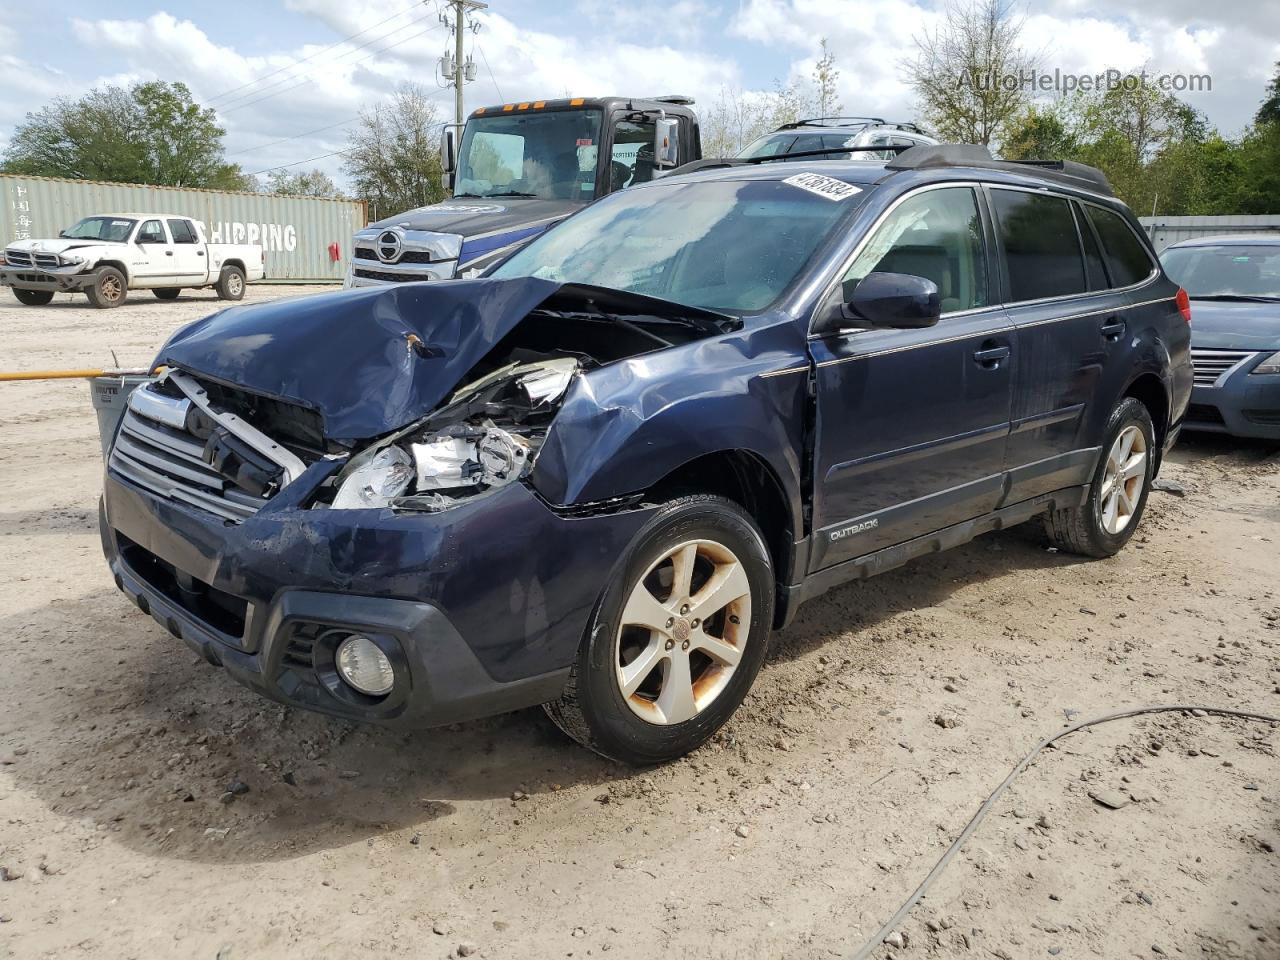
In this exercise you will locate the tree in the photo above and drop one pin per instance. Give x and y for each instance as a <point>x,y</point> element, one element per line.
<point>393,157</point>
<point>825,79</point>
<point>1040,133</point>
<point>968,74</point>
<point>313,183</point>
<point>1269,112</point>
<point>151,133</point>
<point>734,120</point>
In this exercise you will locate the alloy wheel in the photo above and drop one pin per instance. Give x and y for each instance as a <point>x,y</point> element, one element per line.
<point>1123,479</point>
<point>111,288</point>
<point>682,632</point>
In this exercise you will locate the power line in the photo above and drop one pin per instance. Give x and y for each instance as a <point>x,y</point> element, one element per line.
<point>296,136</point>
<point>295,63</point>
<point>232,104</point>
<point>307,79</point>
<point>281,166</point>
<point>492,78</point>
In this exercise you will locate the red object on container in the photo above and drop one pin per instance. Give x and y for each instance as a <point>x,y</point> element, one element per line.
<point>1184,304</point>
<point>335,253</point>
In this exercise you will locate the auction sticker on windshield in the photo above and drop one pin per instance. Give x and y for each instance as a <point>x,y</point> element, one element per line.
<point>828,187</point>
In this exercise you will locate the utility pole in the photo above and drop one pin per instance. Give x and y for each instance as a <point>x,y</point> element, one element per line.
<point>459,72</point>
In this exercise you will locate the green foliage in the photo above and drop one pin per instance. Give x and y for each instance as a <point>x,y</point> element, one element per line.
<point>1269,112</point>
<point>151,133</point>
<point>393,157</point>
<point>312,183</point>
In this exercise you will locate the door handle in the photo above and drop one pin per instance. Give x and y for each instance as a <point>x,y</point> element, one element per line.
<point>1112,329</point>
<point>199,253</point>
<point>989,357</point>
<point>168,253</point>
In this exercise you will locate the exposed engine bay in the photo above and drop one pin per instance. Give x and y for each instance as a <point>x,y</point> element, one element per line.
<point>488,433</point>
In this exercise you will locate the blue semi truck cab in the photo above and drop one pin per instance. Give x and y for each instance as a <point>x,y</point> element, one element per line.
<point>516,169</point>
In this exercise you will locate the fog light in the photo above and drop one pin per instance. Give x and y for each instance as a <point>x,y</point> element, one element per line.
<point>365,667</point>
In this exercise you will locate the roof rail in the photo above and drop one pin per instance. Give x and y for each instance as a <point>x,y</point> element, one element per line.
<point>1067,172</point>
<point>823,121</point>
<point>711,163</point>
<point>679,99</point>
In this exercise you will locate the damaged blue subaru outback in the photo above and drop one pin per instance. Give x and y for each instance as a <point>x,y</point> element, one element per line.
<point>600,477</point>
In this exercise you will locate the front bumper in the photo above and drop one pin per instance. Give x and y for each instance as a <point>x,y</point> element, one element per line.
<point>481,609</point>
<point>1242,404</point>
<point>34,278</point>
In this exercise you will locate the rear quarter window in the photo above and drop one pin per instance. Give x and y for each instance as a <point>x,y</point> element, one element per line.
<point>1041,246</point>
<point>1127,258</point>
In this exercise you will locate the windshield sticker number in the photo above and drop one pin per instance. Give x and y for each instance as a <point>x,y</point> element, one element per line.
<point>828,187</point>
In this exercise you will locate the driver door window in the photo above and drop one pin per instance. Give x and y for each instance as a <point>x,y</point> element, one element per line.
<point>631,160</point>
<point>936,234</point>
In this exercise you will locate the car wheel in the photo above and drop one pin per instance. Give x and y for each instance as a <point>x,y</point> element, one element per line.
<point>108,289</point>
<point>1118,494</point>
<point>33,298</point>
<point>677,636</point>
<point>167,293</point>
<point>230,285</point>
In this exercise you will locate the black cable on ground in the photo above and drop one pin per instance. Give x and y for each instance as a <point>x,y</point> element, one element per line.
<point>894,921</point>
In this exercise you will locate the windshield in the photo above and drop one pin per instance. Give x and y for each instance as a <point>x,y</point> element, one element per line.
<point>547,155</point>
<point>110,229</point>
<point>1229,270</point>
<point>729,245</point>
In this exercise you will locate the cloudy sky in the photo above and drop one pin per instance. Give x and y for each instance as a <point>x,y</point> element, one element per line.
<point>288,76</point>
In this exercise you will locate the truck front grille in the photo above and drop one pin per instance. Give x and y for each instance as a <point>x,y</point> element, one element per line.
<point>387,277</point>
<point>169,462</point>
<point>1210,365</point>
<point>18,258</point>
<point>26,258</point>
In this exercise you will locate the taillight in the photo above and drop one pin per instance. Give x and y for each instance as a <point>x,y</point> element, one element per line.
<point>1184,304</point>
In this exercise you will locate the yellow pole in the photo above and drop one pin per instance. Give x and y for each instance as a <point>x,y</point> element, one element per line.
<point>70,374</point>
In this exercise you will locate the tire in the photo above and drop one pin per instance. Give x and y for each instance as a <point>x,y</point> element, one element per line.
<point>660,718</point>
<point>230,285</point>
<point>109,288</point>
<point>33,298</point>
<point>167,293</point>
<point>1110,514</point>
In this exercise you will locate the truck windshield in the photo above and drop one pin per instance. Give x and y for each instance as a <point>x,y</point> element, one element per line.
<point>548,155</point>
<point>110,229</point>
<point>728,245</point>
<point>1226,271</point>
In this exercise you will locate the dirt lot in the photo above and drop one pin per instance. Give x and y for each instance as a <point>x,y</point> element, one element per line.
<point>884,717</point>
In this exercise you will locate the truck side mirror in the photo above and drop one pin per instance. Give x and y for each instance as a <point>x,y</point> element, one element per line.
<point>449,137</point>
<point>666,143</point>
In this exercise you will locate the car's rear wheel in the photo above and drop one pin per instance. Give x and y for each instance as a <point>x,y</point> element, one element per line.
<point>33,298</point>
<point>1118,494</point>
<point>109,288</point>
<point>230,285</point>
<point>677,637</point>
<point>167,293</point>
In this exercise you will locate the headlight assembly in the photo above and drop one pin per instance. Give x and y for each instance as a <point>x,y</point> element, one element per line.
<point>377,481</point>
<point>1270,365</point>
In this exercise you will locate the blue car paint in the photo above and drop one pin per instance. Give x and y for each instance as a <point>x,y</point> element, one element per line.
<point>1243,398</point>
<point>517,573</point>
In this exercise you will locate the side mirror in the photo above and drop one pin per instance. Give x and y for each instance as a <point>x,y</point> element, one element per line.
<point>900,301</point>
<point>449,137</point>
<point>666,143</point>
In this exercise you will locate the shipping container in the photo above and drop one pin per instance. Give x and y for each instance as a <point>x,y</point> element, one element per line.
<point>307,239</point>
<point>1166,230</point>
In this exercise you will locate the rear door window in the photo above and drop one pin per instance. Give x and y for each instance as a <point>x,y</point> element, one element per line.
<point>182,231</point>
<point>1094,269</point>
<point>1127,258</point>
<point>1041,246</point>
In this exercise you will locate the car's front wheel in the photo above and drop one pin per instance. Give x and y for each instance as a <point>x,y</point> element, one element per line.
<point>108,289</point>
<point>1118,494</point>
<point>677,637</point>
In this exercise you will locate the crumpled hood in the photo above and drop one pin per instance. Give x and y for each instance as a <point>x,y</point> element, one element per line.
<point>470,216</point>
<point>350,355</point>
<point>1226,325</point>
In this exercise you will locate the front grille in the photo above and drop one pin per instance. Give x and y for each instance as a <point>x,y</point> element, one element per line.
<point>365,253</point>
<point>47,260</point>
<point>1268,418</point>
<point>170,462</point>
<point>1204,413</point>
<point>409,256</point>
<point>387,277</point>
<point>1209,365</point>
<point>18,258</point>
<point>26,258</point>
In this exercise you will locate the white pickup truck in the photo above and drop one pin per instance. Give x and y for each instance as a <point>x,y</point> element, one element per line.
<point>107,255</point>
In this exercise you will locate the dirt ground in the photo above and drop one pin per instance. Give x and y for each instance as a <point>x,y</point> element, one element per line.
<point>883,718</point>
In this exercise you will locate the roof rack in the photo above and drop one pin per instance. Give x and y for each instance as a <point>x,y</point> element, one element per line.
<point>679,99</point>
<point>823,121</point>
<point>1068,172</point>
<point>711,163</point>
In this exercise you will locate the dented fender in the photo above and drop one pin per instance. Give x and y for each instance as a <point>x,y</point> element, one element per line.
<point>624,427</point>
